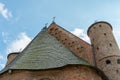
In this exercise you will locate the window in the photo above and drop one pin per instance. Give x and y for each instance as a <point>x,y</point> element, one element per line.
<point>68,43</point>
<point>117,71</point>
<point>65,39</point>
<point>73,42</point>
<point>55,33</point>
<point>77,48</point>
<point>108,62</point>
<point>71,46</point>
<point>110,44</point>
<point>97,48</point>
<point>100,25</point>
<point>93,39</point>
<point>118,61</point>
<point>94,27</point>
<point>105,34</point>
<point>51,29</point>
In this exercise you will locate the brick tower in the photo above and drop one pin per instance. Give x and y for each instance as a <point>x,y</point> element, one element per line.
<point>105,49</point>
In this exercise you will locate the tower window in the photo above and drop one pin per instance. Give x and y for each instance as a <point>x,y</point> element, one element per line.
<point>77,48</point>
<point>118,61</point>
<point>108,62</point>
<point>65,39</point>
<point>100,25</point>
<point>97,48</point>
<point>110,44</point>
<point>105,34</point>
<point>94,27</point>
<point>93,39</point>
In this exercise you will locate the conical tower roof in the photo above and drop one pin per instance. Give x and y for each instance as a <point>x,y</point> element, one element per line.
<point>44,52</point>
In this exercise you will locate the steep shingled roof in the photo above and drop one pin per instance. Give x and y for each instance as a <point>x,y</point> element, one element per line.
<point>44,52</point>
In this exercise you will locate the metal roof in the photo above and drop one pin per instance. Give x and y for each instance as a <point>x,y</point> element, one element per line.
<point>44,52</point>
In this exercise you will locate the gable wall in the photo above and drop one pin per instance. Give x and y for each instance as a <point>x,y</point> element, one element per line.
<point>75,44</point>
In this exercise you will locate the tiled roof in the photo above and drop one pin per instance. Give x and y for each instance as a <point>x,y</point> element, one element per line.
<point>45,52</point>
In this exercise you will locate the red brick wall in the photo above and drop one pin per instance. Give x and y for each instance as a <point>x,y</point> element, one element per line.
<point>65,73</point>
<point>106,50</point>
<point>75,44</point>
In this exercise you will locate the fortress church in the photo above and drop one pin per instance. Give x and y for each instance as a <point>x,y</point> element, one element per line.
<point>57,54</point>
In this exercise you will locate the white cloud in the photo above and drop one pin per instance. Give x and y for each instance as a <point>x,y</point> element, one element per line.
<point>2,65</point>
<point>1,57</point>
<point>5,36</point>
<point>5,12</point>
<point>81,33</point>
<point>18,44</point>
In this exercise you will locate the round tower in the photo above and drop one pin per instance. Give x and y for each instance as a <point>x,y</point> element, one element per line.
<point>105,49</point>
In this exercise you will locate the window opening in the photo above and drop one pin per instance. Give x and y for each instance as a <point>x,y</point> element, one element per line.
<point>105,34</point>
<point>118,61</point>
<point>97,48</point>
<point>110,44</point>
<point>108,62</point>
<point>100,25</point>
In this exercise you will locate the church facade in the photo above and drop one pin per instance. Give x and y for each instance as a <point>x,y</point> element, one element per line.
<point>57,54</point>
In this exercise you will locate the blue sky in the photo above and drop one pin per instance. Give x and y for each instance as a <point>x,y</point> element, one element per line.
<point>21,20</point>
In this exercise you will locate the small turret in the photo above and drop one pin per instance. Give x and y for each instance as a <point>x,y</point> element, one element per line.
<point>11,56</point>
<point>105,48</point>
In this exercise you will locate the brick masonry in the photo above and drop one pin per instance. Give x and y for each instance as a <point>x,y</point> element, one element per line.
<point>75,44</point>
<point>106,50</point>
<point>66,73</point>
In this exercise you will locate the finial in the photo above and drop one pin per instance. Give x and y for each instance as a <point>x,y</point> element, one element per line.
<point>53,19</point>
<point>45,28</point>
